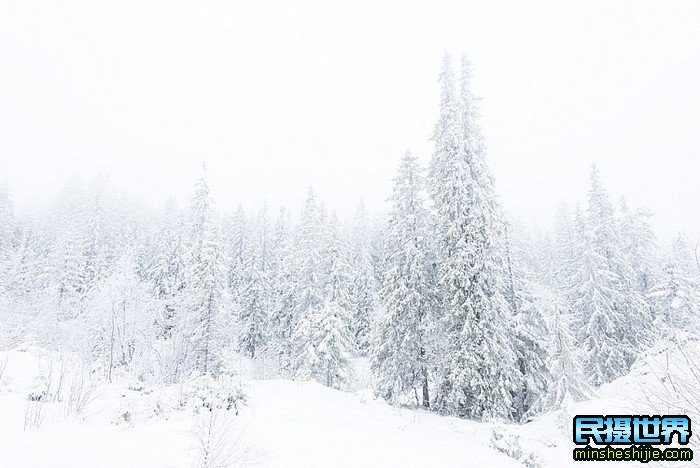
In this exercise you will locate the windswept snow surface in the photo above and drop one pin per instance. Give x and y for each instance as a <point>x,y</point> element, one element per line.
<point>307,424</point>
<point>289,423</point>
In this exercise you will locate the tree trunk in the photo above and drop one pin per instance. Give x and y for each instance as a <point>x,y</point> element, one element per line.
<point>426,395</point>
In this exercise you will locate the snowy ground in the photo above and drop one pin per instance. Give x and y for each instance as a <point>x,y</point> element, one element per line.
<point>284,423</point>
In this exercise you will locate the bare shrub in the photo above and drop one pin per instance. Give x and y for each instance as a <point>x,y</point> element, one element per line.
<point>675,373</point>
<point>220,442</point>
<point>56,381</point>
<point>82,390</point>
<point>33,415</point>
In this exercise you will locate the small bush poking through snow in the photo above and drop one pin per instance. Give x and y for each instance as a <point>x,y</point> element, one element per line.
<point>125,418</point>
<point>39,389</point>
<point>83,389</point>
<point>204,391</point>
<point>508,443</point>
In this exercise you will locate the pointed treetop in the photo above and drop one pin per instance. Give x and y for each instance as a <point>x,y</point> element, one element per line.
<point>447,61</point>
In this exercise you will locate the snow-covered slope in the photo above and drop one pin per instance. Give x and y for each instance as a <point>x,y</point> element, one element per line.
<point>666,380</point>
<point>284,423</point>
<point>307,424</point>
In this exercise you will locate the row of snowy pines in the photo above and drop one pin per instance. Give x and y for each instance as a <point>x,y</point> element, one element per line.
<point>458,311</point>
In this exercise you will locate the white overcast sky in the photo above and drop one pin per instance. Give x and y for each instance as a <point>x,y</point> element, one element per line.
<point>277,96</point>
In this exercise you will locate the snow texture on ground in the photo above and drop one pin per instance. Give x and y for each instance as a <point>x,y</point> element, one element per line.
<point>80,421</point>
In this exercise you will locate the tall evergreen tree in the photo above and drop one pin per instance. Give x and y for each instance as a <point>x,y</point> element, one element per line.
<point>21,274</point>
<point>254,295</point>
<point>238,240</point>
<point>364,283</point>
<point>69,268</point>
<point>639,246</point>
<point>167,266</point>
<point>97,242</point>
<point>309,294</point>
<point>400,358</point>
<point>613,316</point>
<point>333,339</point>
<point>7,223</point>
<point>568,381</point>
<point>565,253</point>
<point>282,320</point>
<point>207,300</point>
<point>528,330</point>
<point>676,296</point>
<point>480,375</point>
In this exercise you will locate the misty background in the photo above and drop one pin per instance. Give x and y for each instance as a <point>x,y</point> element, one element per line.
<point>276,97</point>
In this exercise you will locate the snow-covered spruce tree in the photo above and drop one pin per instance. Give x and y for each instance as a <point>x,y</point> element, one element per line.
<point>283,292</point>
<point>599,321</point>
<point>568,382</point>
<point>21,275</point>
<point>528,330</point>
<point>400,355</point>
<point>254,293</point>
<point>69,268</point>
<point>676,296</point>
<point>479,374</point>
<point>544,260</point>
<point>237,239</point>
<point>167,266</point>
<point>309,294</point>
<point>81,252</point>
<point>639,246</point>
<point>7,239</point>
<point>252,307</point>
<point>482,188</point>
<point>98,242</point>
<point>523,249</point>
<point>565,254</point>
<point>333,339</point>
<point>206,301</point>
<point>7,225</point>
<point>364,283</point>
<point>567,329</point>
<point>612,316</point>
<point>377,235</point>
